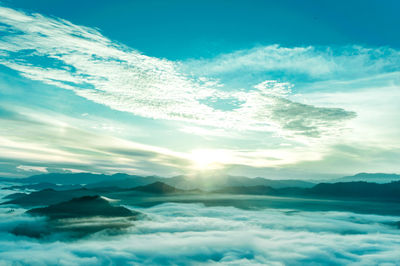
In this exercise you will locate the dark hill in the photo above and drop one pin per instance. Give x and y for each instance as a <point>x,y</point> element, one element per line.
<point>86,206</point>
<point>15,196</point>
<point>357,190</point>
<point>77,218</point>
<point>44,185</point>
<point>49,196</point>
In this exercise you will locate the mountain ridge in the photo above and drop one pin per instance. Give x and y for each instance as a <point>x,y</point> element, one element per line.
<point>203,182</point>
<point>370,177</point>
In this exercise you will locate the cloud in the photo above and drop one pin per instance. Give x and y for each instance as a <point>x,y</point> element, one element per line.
<point>318,63</point>
<point>78,144</point>
<point>243,104</point>
<point>30,168</point>
<point>40,142</point>
<point>123,79</point>
<point>194,234</point>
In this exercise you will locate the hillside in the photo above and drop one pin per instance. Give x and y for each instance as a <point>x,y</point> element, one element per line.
<point>48,196</point>
<point>86,206</point>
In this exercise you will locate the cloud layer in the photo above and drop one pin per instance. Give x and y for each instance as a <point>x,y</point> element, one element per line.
<point>80,59</point>
<point>194,234</point>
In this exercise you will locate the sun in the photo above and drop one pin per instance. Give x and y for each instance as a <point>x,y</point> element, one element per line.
<point>204,159</point>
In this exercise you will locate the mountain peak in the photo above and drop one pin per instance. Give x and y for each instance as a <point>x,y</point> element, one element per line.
<point>86,206</point>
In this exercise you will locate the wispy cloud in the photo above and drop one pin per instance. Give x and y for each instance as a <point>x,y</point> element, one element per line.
<point>30,168</point>
<point>243,104</point>
<point>38,142</point>
<point>81,59</point>
<point>41,140</point>
<point>320,63</point>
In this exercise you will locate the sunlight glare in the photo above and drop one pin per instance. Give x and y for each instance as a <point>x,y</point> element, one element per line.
<point>208,159</point>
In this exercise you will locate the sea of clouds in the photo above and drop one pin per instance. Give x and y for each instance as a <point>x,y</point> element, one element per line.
<point>193,234</point>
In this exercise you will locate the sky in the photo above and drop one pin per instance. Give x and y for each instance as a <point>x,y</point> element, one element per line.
<point>279,89</point>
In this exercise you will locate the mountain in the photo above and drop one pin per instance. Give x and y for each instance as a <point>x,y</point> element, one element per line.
<point>370,177</point>
<point>387,191</point>
<point>72,178</point>
<point>48,197</point>
<point>341,190</point>
<point>126,181</point>
<point>15,196</point>
<point>44,185</point>
<point>86,206</point>
<point>203,182</point>
<point>77,218</point>
<point>199,181</point>
<point>158,188</point>
<point>210,183</point>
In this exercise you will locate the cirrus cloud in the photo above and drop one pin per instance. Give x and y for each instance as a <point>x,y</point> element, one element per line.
<point>123,79</point>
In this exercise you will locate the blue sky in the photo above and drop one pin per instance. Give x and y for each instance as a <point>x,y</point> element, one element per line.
<point>282,89</point>
<point>179,30</point>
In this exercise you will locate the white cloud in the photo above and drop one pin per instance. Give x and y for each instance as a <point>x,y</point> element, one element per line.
<point>273,88</point>
<point>377,113</point>
<point>112,74</point>
<point>121,78</point>
<point>83,144</point>
<point>348,62</point>
<point>30,168</point>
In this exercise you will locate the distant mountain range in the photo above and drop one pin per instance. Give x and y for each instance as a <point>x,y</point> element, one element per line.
<point>358,189</point>
<point>370,177</point>
<point>62,181</point>
<point>47,197</point>
<point>341,190</point>
<point>210,183</point>
<point>71,178</point>
<point>118,184</point>
<point>203,182</point>
<point>43,185</point>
